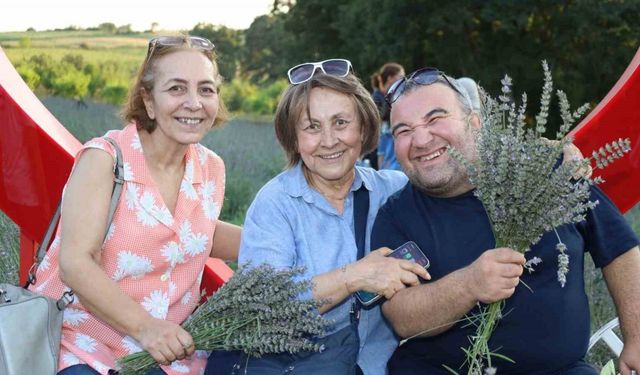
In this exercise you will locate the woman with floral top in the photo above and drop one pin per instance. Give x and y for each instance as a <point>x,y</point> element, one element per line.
<point>134,289</point>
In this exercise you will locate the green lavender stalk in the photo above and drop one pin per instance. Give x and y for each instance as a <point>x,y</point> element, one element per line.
<point>523,189</point>
<point>257,311</point>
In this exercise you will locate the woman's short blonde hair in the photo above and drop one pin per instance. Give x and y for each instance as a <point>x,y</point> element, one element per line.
<point>295,101</point>
<point>134,108</point>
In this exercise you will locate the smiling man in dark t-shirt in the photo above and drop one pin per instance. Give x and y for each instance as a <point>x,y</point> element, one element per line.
<point>545,330</point>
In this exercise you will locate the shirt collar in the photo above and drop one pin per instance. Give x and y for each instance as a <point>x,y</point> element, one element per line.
<point>132,154</point>
<point>296,185</point>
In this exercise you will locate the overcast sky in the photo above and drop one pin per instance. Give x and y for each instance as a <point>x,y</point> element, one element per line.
<point>18,15</point>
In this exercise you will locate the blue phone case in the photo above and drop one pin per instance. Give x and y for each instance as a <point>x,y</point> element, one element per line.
<point>409,251</point>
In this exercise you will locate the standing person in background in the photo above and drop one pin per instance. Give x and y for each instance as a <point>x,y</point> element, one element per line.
<point>389,73</point>
<point>138,284</point>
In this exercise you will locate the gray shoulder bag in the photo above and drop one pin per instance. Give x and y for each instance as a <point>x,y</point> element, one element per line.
<point>30,323</point>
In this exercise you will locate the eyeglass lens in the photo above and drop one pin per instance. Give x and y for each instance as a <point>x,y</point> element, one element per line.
<point>336,67</point>
<point>302,73</point>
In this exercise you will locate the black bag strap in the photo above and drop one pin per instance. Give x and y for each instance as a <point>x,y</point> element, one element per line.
<point>118,181</point>
<point>360,213</point>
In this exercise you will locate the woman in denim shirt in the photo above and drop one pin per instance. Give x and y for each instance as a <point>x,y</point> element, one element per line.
<point>304,217</point>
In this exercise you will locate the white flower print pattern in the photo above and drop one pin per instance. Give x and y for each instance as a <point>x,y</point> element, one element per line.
<point>135,143</point>
<point>74,317</point>
<point>207,190</point>
<point>131,264</point>
<point>56,243</point>
<point>132,196</point>
<point>147,205</point>
<point>186,299</point>
<point>131,345</point>
<point>164,215</point>
<point>203,155</point>
<point>128,172</point>
<point>189,191</point>
<point>44,265</point>
<point>157,304</point>
<point>100,367</point>
<point>196,244</point>
<point>172,288</point>
<point>172,253</point>
<point>42,286</point>
<point>185,231</point>
<point>85,342</point>
<point>70,359</point>
<point>177,366</point>
<point>211,209</point>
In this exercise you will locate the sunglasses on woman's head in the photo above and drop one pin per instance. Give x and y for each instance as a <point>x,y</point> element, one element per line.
<point>424,77</point>
<point>304,72</point>
<point>196,42</point>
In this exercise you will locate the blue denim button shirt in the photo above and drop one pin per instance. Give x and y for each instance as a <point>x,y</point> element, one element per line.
<point>291,224</point>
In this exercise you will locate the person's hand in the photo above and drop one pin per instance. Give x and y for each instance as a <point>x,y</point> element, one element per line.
<point>383,275</point>
<point>630,358</point>
<point>494,275</point>
<point>572,152</point>
<point>165,341</point>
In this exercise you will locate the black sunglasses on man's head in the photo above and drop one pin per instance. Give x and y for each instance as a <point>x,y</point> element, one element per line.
<point>423,76</point>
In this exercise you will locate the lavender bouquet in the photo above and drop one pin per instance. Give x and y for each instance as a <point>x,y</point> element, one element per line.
<point>9,251</point>
<point>257,311</point>
<point>524,191</point>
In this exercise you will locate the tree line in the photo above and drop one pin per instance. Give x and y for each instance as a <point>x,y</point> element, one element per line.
<point>588,44</point>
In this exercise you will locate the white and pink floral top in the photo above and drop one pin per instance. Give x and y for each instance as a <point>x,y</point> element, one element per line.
<point>155,257</point>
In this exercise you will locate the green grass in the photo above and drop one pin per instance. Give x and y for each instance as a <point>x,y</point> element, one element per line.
<point>123,55</point>
<point>73,39</point>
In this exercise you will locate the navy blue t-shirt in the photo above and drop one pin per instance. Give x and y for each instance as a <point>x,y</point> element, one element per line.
<point>544,330</point>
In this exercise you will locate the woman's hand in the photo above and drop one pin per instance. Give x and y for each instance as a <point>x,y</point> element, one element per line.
<point>165,341</point>
<point>383,275</point>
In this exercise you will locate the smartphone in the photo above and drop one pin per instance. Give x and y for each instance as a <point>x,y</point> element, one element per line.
<point>408,251</point>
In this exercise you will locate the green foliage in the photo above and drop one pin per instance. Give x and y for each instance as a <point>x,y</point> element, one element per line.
<point>588,43</point>
<point>29,75</point>
<point>235,92</point>
<point>71,84</point>
<point>108,27</point>
<point>264,101</point>
<point>238,195</point>
<point>115,93</point>
<point>244,96</point>
<point>266,50</point>
<point>25,42</point>
<point>74,59</point>
<point>75,76</point>
<point>228,44</point>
